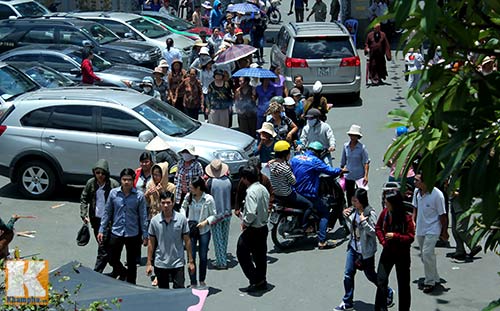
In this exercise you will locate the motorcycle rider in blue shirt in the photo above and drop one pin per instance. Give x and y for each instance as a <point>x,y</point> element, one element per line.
<point>307,168</point>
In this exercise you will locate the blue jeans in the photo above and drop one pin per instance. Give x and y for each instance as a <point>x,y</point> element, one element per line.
<point>204,241</point>
<point>323,214</point>
<point>350,272</point>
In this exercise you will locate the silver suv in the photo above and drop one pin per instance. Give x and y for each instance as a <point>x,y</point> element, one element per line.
<point>21,8</point>
<point>54,136</point>
<point>318,51</point>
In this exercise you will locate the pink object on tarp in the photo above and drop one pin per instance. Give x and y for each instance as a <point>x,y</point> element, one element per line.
<point>342,183</point>
<point>202,294</point>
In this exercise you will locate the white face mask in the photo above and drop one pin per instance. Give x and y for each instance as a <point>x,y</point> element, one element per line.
<point>312,122</point>
<point>147,89</point>
<point>187,157</point>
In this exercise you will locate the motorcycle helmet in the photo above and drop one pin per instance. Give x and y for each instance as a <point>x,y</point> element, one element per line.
<point>281,145</point>
<point>317,87</point>
<point>316,146</point>
<point>277,99</point>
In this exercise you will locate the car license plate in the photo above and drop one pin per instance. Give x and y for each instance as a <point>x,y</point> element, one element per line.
<point>323,71</point>
<point>274,218</point>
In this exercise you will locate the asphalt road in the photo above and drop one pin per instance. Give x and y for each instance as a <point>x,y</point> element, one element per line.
<point>303,279</point>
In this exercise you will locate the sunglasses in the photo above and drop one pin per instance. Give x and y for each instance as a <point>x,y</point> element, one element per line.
<point>99,172</point>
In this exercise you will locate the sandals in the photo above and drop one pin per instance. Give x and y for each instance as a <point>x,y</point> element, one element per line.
<point>428,289</point>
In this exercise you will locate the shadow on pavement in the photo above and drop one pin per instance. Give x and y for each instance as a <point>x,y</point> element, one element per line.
<point>363,306</point>
<point>269,288</point>
<point>439,289</point>
<point>63,193</point>
<point>213,291</point>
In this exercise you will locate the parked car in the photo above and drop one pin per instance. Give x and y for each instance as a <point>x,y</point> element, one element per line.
<point>12,84</point>
<point>48,30</point>
<point>67,60</point>
<point>22,8</point>
<point>176,24</point>
<point>55,136</point>
<point>330,57</point>
<point>43,75</point>
<point>134,26</point>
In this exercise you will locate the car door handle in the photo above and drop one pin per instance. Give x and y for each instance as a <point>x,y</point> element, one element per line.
<point>108,145</point>
<point>51,138</point>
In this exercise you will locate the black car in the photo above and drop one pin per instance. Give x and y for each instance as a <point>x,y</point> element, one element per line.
<point>67,59</point>
<point>56,30</point>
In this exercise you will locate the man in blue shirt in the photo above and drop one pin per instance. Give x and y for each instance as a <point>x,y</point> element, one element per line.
<point>126,210</point>
<point>307,168</point>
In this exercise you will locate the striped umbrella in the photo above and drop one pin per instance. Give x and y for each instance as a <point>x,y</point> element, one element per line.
<point>255,73</point>
<point>235,52</point>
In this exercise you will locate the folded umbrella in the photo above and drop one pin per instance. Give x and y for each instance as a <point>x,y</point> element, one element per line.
<point>235,52</point>
<point>255,73</point>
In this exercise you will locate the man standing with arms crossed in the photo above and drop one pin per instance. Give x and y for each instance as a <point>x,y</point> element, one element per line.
<point>168,234</point>
<point>430,214</point>
<point>252,244</point>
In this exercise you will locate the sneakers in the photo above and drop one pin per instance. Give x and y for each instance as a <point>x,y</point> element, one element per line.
<point>342,306</point>
<point>475,250</point>
<point>390,298</point>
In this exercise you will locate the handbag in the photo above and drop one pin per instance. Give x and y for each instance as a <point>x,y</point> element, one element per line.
<point>83,235</point>
<point>194,231</point>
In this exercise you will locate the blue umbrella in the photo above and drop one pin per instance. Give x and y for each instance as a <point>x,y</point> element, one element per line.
<point>255,73</point>
<point>244,8</point>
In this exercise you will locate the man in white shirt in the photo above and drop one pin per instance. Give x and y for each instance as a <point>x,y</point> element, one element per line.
<point>252,243</point>
<point>430,214</point>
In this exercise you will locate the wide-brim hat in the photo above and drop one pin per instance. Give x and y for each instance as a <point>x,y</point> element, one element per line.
<point>289,101</point>
<point>207,5</point>
<point>163,64</point>
<point>355,130</point>
<point>204,51</point>
<point>158,70</point>
<point>217,168</point>
<point>190,149</point>
<point>157,144</point>
<point>200,43</point>
<point>267,128</point>
<point>176,61</point>
<point>207,61</point>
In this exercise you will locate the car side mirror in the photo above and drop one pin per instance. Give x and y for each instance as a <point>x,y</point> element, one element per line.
<point>129,35</point>
<point>75,71</point>
<point>146,136</point>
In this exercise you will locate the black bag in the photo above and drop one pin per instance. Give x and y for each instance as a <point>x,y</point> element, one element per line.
<point>194,231</point>
<point>83,236</point>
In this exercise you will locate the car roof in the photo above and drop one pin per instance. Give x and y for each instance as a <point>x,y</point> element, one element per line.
<point>13,2</point>
<point>110,95</point>
<point>49,19</point>
<point>121,16</point>
<point>313,29</point>
<point>47,48</point>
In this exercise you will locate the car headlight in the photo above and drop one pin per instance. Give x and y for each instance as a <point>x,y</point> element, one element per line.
<point>140,57</point>
<point>228,155</point>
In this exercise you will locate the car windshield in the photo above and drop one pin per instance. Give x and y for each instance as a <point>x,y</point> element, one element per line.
<point>320,48</point>
<point>149,29</point>
<point>176,23</point>
<point>166,118</point>
<point>98,63</point>
<point>100,33</point>
<point>14,83</point>
<point>47,77</point>
<point>31,9</point>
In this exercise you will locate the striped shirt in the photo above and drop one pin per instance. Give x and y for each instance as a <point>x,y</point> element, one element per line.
<point>282,178</point>
<point>184,176</point>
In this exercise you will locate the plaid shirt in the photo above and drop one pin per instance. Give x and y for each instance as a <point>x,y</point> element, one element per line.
<point>184,176</point>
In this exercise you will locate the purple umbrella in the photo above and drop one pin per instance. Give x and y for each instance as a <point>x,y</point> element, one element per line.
<point>235,52</point>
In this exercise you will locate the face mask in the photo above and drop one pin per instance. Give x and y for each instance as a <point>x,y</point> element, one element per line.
<point>187,157</point>
<point>312,122</point>
<point>147,89</point>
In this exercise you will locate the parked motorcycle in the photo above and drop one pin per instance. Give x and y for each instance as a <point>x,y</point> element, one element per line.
<point>273,13</point>
<point>286,221</point>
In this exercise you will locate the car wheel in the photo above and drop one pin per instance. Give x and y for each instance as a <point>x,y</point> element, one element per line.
<point>36,180</point>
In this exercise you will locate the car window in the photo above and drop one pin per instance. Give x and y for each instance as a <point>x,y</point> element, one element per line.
<point>31,9</point>
<point>39,35</point>
<point>6,30</point>
<point>117,122</point>
<point>58,63</point>
<point>116,27</point>
<point>72,118</point>
<point>100,33</point>
<point>71,36</point>
<point>23,58</point>
<point>279,40</point>
<point>47,77</point>
<point>14,83</point>
<point>286,42</point>
<point>176,23</point>
<point>166,118</point>
<point>319,48</point>
<point>98,63</point>
<point>6,12</point>
<point>148,28</point>
<point>37,118</point>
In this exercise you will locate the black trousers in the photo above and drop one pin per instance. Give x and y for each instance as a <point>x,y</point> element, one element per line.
<point>165,275</point>
<point>252,253</point>
<point>133,249</point>
<point>350,187</point>
<point>402,261</point>
<point>102,248</point>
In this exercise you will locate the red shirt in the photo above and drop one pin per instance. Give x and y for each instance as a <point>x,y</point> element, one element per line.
<point>88,75</point>
<point>400,239</point>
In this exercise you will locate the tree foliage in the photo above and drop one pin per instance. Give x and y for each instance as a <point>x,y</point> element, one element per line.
<point>455,119</point>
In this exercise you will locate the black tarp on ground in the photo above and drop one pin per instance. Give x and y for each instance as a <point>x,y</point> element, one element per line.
<point>98,287</point>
